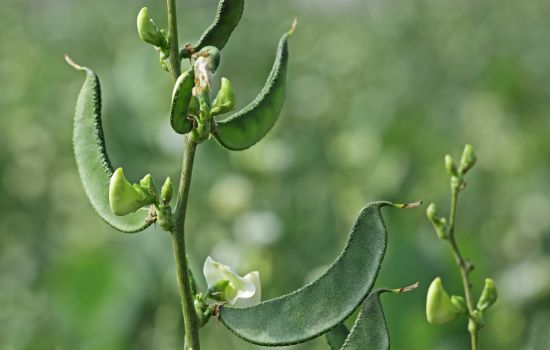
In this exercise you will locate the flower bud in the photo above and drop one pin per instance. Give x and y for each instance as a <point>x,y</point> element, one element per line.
<point>149,186</point>
<point>450,166</point>
<point>460,303</point>
<point>148,31</point>
<point>125,198</point>
<point>166,191</point>
<point>225,100</point>
<point>439,307</point>
<point>489,295</point>
<point>440,224</point>
<point>468,159</point>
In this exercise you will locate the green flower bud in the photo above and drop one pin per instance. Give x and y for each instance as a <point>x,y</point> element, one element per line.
<point>468,159</point>
<point>439,307</point>
<point>457,183</point>
<point>149,186</point>
<point>125,198</point>
<point>440,224</point>
<point>166,191</point>
<point>489,295</point>
<point>202,311</point>
<point>148,31</point>
<point>225,100</point>
<point>460,303</point>
<point>450,166</point>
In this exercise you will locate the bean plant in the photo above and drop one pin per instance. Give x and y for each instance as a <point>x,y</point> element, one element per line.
<point>319,308</point>
<point>440,308</point>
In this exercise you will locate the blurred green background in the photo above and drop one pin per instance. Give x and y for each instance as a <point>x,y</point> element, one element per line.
<point>378,92</point>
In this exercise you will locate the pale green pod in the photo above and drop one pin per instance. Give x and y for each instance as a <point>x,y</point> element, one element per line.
<point>439,308</point>
<point>225,100</point>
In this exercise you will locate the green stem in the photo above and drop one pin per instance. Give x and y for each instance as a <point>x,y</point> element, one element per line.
<point>473,327</point>
<point>191,323</point>
<point>178,239</point>
<point>174,58</point>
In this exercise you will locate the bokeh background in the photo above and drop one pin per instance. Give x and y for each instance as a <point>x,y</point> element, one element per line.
<point>378,92</point>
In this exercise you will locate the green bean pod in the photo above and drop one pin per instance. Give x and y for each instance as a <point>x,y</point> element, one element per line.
<point>326,302</point>
<point>228,16</point>
<point>337,336</point>
<point>370,331</point>
<point>93,163</point>
<point>181,98</point>
<point>249,125</point>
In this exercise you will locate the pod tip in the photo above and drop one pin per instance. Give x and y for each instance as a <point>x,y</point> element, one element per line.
<point>73,63</point>
<point>408,205</point>
<point>293,26</point>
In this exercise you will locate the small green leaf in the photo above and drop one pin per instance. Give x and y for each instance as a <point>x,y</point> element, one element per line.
<point>181,98</point>
<point>321,305</point>
<point>91,156</point>
<point>249,125</point>
<point>228,16</point>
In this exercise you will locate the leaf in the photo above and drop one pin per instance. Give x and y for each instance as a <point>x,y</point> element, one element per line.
<point>93,163</point>
<point>326,302</point>
<point>249,125</point>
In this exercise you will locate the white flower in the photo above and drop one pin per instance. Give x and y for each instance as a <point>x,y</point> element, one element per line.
<point>203,76</point>
<point>240,291</point>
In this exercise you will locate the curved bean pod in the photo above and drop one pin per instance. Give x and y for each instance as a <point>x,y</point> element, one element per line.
<point>91,156</point>
<point>181,97</point>
<point>337,336</point>
<point>326,302</point>
<point>227,18</point>
<point>369,332</point>
<point>249,125</point>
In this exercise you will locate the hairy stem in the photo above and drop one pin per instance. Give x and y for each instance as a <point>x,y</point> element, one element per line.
<point>178,232</point>
<point>464,267</point>
<point>178,239</point>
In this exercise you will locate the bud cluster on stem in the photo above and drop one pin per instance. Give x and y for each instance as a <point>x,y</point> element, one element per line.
<point>440,308</point>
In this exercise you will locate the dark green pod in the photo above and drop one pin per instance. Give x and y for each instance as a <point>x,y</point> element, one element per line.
<point>227,18</point>
<point>249,125</point>
<point>337,336</point>
<point>181,98</point>
<point>369,332</point>
<point>91,156</point>
<point>323,304</point>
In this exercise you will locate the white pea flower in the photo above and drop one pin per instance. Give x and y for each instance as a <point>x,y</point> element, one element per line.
<point>239,291</point>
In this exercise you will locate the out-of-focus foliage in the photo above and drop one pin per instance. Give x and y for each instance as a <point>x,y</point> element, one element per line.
<point>378,92</point>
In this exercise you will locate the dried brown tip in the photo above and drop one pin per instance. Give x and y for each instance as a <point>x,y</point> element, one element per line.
<point>408,288</point>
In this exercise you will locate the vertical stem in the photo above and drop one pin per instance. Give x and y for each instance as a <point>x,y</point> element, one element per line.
<point>174,58</point>
<point>178,239</point>
<point>178,231</point>
<point>464,271</point>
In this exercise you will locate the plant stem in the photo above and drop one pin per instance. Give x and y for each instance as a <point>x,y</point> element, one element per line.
<point>178,239</point>
<point>174,58</point>
<point>178,231</point>
<point>464,267</point>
